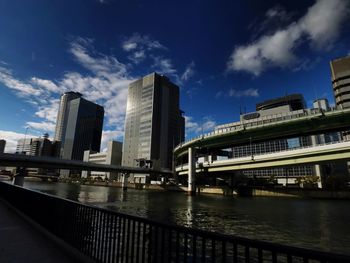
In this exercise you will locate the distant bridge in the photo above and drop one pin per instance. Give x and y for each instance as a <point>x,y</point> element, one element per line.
<point>26,161</point>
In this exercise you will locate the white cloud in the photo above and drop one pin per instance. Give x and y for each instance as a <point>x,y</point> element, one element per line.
<point>137,57</point>
<point>320,27</point>
<point>42,126</point>
<point>12,138</point>
<point>99,64</point>
<point>47,85</point>
<point>139,46</point>
<point>128,46</point>
<point>137,41</point>
<point>106,84</point>
<point>192,126</point>
<point>189,71</point>
<point>164,66</point>
<point>21,88</point>
<point>323,21</point>
<point>243,93</point>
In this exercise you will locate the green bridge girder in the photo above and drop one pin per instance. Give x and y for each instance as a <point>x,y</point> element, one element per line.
<point>307,125</point>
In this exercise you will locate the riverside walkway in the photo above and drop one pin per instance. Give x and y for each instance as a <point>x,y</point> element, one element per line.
<point>20,241</point>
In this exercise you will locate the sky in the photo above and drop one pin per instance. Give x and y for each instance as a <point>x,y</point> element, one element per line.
<point>225,56</point>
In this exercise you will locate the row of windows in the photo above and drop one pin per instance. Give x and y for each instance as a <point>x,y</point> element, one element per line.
<point>270,146</point>
<point>294,171</point>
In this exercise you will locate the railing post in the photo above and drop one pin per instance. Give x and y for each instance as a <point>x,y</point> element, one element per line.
<point>191,171</point>
<point>19,176</point>
<point>125,181</point>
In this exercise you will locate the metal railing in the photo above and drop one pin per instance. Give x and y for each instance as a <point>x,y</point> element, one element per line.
<point>108,236</point>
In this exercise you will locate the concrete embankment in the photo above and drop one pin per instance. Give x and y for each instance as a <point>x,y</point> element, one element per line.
<point>248,192</point>
<point>303,193</point>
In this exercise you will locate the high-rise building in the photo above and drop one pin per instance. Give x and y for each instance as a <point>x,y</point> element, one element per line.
<point>83,128</point>
<point>154,123</point>
<point>321,104</point>
<point>62,117</point>
<point>35,146</point>
<point>2,146</point>
<point>340,69</point>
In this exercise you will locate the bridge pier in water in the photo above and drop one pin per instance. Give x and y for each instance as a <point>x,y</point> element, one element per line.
<point>191,171</point>
<point>19,176</point>
<point>125,181</point>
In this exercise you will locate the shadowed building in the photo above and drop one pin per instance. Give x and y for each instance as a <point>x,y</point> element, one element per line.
<point>154,123</point>
<point>2,146</point>
<point>340,69</point>
<point>83,129</point>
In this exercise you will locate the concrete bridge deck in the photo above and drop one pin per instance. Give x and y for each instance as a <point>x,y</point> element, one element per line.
<point>21,242</point>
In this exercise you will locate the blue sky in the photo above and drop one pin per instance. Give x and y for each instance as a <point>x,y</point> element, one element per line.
<point>225,55</point>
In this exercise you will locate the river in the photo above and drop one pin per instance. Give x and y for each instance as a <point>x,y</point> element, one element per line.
<point>309,223</point>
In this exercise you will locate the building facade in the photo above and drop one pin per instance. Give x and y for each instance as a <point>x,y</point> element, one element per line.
<point>36,146</point>
<point>83,129</point>
<point>2,146</point>
<point>62,117</point>
<point>340,70</point>
<point>112,156</point>
<point>154,124</point>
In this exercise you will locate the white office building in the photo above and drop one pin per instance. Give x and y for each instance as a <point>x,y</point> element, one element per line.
<point>112,156</point>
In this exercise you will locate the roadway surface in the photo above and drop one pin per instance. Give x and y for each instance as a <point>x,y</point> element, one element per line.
<point>21,242</point>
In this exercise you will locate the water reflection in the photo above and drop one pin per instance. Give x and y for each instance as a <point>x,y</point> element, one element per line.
<point>321,224</point>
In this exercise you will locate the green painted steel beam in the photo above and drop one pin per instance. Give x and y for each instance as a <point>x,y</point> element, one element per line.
<point>293,159</point>
<point>320,123</point>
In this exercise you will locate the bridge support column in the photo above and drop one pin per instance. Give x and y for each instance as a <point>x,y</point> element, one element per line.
<point>125,181</point>
<point>318,172</point>
<point>19,176</point>
<point>191,171</point>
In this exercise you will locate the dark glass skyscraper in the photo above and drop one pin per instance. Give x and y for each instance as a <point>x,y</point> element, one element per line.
<point>79,126</point>
<point>2,146</point>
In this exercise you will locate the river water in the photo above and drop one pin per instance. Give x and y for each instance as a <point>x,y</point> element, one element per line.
<point>309,223</point>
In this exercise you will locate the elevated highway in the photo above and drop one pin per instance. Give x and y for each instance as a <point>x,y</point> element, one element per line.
<point>280,126</point>
<point>301,124</point>
<point>308,155</point>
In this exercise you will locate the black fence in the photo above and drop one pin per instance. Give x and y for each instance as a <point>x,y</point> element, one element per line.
<point>108,236</point>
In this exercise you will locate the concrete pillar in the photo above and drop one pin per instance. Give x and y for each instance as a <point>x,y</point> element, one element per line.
<point>191,171</point>
<point>317,166</point>
<point>19,176</point>
<point>125,181</point>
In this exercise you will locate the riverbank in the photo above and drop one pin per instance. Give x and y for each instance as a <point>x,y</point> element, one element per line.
<point>243,192</point>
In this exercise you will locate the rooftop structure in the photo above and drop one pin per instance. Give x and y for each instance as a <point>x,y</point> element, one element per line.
<point>294,101</point>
